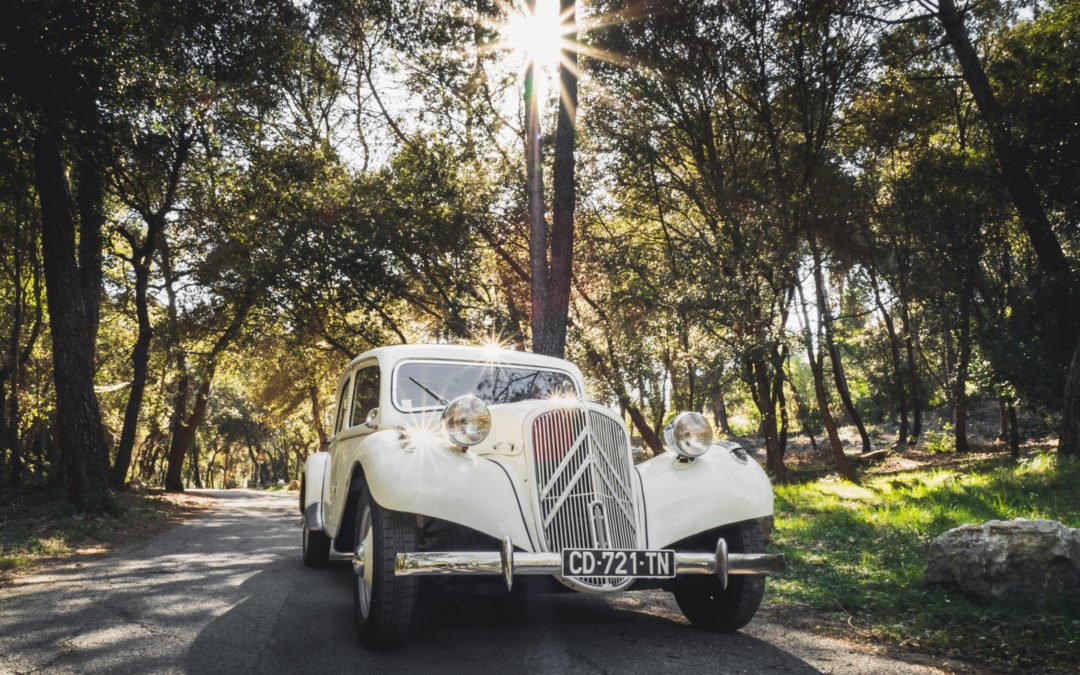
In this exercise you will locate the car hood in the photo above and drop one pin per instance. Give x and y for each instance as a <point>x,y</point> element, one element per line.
<point>510,423</point>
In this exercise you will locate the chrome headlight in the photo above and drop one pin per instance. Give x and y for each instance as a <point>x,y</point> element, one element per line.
<point>467,420</point>
<point>689,434</point>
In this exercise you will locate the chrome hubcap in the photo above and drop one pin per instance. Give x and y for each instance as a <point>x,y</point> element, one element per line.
<point>363,566</point>
<point>359,560</point>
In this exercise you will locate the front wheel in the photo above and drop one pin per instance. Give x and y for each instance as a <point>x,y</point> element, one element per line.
<point>383,602</point>
<point>706,605</point>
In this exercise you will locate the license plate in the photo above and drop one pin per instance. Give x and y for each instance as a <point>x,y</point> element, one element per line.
<point>590,562</point>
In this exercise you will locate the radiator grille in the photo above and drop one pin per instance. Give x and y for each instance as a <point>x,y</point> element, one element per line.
<point>583,483</point>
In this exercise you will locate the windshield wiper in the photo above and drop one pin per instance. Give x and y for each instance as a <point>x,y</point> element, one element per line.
<point>426,389</point>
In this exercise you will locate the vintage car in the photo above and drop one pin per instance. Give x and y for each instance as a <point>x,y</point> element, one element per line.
<point>453,460</point>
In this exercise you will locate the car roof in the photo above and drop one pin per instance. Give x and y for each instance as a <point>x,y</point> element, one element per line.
<point>390,355</point>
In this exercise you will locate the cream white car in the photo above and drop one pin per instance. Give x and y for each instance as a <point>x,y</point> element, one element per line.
<point>450,460</point>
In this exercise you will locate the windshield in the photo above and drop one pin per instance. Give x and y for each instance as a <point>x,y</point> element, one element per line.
<point>429,385</point>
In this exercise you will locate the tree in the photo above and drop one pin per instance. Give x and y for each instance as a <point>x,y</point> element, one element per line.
<point>23,301</point>
<point>1010,155</point>
<point>166,157</point>
<point>551,339</point>
<point>1069,443</point>
<point>62,73</point>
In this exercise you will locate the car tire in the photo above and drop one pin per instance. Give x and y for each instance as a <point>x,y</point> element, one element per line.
<point>708,606</point>
<point>382,602</point>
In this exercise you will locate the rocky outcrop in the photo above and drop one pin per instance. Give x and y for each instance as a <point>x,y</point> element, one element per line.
<point>1028,559</point>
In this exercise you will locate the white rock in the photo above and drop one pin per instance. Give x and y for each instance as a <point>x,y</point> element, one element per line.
<point>1031,559</point>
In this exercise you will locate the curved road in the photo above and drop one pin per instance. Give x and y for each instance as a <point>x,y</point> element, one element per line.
<point>226,593</point>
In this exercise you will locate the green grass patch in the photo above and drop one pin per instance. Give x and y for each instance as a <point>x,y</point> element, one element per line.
<point>858,551</point>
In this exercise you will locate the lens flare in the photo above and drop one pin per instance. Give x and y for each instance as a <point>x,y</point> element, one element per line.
<point>538,36</point>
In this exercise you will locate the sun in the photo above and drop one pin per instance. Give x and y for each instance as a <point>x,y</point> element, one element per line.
<point>538,36</point>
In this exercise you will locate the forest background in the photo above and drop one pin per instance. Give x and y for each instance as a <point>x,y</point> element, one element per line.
<point>792,215</point>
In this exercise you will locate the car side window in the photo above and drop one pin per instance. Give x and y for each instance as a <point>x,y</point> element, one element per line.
<point>342,401</point>
<point>365,394</point>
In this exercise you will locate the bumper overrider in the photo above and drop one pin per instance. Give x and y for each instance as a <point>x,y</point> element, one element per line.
<point>509,563</point>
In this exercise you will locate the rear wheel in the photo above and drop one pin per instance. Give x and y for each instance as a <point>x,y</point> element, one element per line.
<point>382,602</point>
<point>711,607</point>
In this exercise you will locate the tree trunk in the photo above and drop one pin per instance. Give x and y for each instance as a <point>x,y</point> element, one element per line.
<point>14,462</point>
<point>1003,418</point>
<point>1014,430</point>
<point>817,370</point>
<point>538,234</point>
<point>316,414</point>
<point>845,397</point>
<point>73,290</point>
<point>4,454</point>
<point>196,479</point>
<point>140,356</point>
<point>960,403</point>
<point>948,358</point>
<point>1010,155</point>
<point>184,436</point>
<point>637,418</point>
<point>842,464</point>
<point>564,196</point>
<point>142,257</point>
<point>210,467</point>
<point>648,434</point>
<point>763,400</point>
<point>176,423</point>
<point>780,402</point>
<point>913,375</point>
<point>1069,442</point>
<point>19,355</point>
<point>894,355</point>
<point>825,319</point>
<point>720,416</point>
<point>803,415</point>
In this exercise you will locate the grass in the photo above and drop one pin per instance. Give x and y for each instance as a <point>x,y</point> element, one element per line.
<point>35,527</point>
<point>857,552</point>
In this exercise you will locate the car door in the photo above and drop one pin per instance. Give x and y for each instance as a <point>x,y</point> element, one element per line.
<point>340,418</point>
<point>350,431</point>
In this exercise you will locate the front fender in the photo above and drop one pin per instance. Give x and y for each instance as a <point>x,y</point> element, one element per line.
<point>434,480</point>
<point>683,499</point>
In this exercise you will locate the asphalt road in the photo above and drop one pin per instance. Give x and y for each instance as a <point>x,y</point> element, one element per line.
<point>226,593</point>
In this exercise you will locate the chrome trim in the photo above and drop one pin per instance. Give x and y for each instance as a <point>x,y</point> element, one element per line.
<point>506,558</point>
<point>579,458</point>
<point>719,562</point>
<point>359,560</point>
<point>313,517</point>
<point>723,562</point>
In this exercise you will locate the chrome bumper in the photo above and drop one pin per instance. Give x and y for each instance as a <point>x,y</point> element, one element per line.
<point>508,563</point>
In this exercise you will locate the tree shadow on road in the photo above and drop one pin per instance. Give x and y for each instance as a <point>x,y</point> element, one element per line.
<point>487,630</point>
<point>138,609</point>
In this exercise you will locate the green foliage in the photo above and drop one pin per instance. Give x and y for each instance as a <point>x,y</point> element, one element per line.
<point>36,527</point>
<point>860,551</point>
<point>943,440</point>
<point>346,175</point>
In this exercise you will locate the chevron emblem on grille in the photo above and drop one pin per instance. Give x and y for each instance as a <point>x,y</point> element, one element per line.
<point>583,482</point>
<point>599,525</point>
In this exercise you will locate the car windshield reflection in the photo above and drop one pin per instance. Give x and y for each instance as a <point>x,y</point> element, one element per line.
<point>420,386</point>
